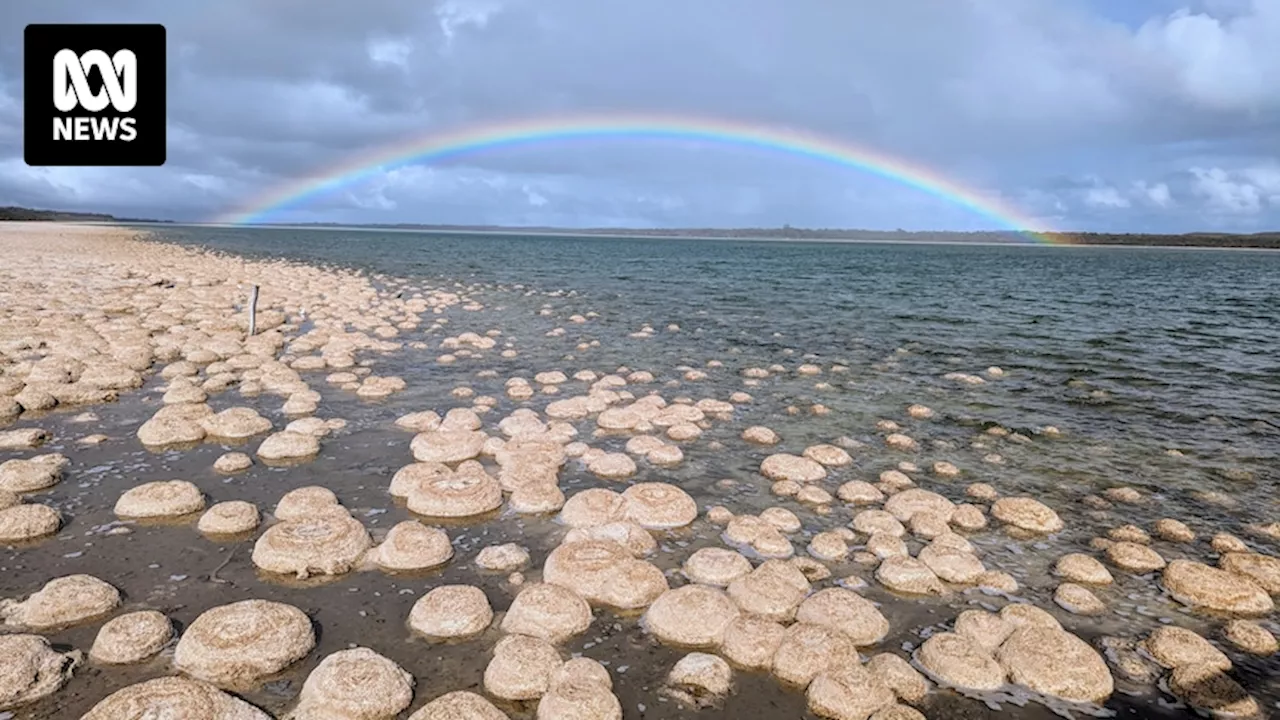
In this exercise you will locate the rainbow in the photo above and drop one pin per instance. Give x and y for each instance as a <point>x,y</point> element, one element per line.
<point>436,146</point>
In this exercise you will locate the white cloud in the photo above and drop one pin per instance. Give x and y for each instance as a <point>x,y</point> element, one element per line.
<point>535,198</point>
<point>389,51</point>
<point>1223,193</point>
<point>1105,196</point>
<point>1158,194</point>
<point>1225,64</point>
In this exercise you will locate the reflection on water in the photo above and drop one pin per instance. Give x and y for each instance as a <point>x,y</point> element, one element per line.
<point>1131,353</point>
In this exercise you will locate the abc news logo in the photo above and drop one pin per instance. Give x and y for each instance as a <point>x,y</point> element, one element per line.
<point>94,95</point>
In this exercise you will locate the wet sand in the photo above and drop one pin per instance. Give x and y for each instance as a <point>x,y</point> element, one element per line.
<point>55,274</point>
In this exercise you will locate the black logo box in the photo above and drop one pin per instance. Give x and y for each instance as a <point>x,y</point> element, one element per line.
<point>41,43</point>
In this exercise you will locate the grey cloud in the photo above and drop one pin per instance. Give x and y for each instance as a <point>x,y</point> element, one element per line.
<point>1076,110</point>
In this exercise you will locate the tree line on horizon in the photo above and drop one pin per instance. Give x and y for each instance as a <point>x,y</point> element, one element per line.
<point>786,232</point>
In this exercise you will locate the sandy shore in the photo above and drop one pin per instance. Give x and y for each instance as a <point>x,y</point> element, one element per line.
<point>398,500</point>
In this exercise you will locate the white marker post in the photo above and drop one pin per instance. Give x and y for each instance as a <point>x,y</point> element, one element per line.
<point>253,311</point>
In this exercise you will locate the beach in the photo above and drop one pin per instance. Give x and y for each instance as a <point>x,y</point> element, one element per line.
<point>586,478</point>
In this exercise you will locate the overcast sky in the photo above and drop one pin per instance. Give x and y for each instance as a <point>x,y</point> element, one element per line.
<point>1137,115</point>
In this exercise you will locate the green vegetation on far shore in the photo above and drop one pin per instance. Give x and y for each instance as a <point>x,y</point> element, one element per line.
<point>1269,240</point>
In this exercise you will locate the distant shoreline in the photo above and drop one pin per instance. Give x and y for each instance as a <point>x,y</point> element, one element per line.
<point>1223,241</point>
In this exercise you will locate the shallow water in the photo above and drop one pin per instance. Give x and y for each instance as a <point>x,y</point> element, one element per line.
<point>1130,352</point>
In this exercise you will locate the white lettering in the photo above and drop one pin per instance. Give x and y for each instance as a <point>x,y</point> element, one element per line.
<point>119,80</point>
<point>61,128</point>
<point>95,128</point>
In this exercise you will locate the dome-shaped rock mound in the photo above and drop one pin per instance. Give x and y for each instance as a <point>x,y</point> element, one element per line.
<point>594,506</point>
<point>638,541</point>
<point>459,705</point>
<point>716,566</point>
<point>237,423</point>
<point>1201,586</point>
<point>659,506</point>
<point>20,523</point>
<point>502,558</point>
<point>579,699</point>
<point>1264,570</point>
<point>546,611</point>
<point>451,612</point>
<point>1056,663</point>
<point>521,668</point>
<point>233,517</point>
<point>447,446</point>
<point>848,691</point>
<point>62,602</point>
<point>1212,692</point>
<point>131,638</point>
<point>897,674</point>
<point>782,466</point>
<point>635,585</point>
<point>700,679</point>
<point>410,545</point>
<point>906,504</point>
<point>173,697</point>
<point>1027,514</point>
<point>160,499</point>
<point>237,644</point>
<point>959,662</point>
<point>750,642</point>
<point>585,567</point>
<point>232,462</point>
<point>847,612</point>
<point>693,616</point>
<point>1173,647</point>
<point>326,544</point>
<point>458,495</point>
<point>355,684</point>
<point>1081,568</point>
<point>807,650</point>
<point>287,445</point>
<point>174,425</point>
<point>32,475</point>
<point>306,502</point>
<point>773,590</point>
<point>30,670</point>
<point>408,478</point>
<point>828,455</point>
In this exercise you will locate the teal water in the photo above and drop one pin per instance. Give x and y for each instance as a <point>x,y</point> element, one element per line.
<point>1172,346</point>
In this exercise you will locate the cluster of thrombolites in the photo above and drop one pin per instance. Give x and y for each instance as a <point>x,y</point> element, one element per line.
<point>797,590</point>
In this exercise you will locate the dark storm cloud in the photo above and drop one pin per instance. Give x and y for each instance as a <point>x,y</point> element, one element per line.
<point>1159,114</point>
